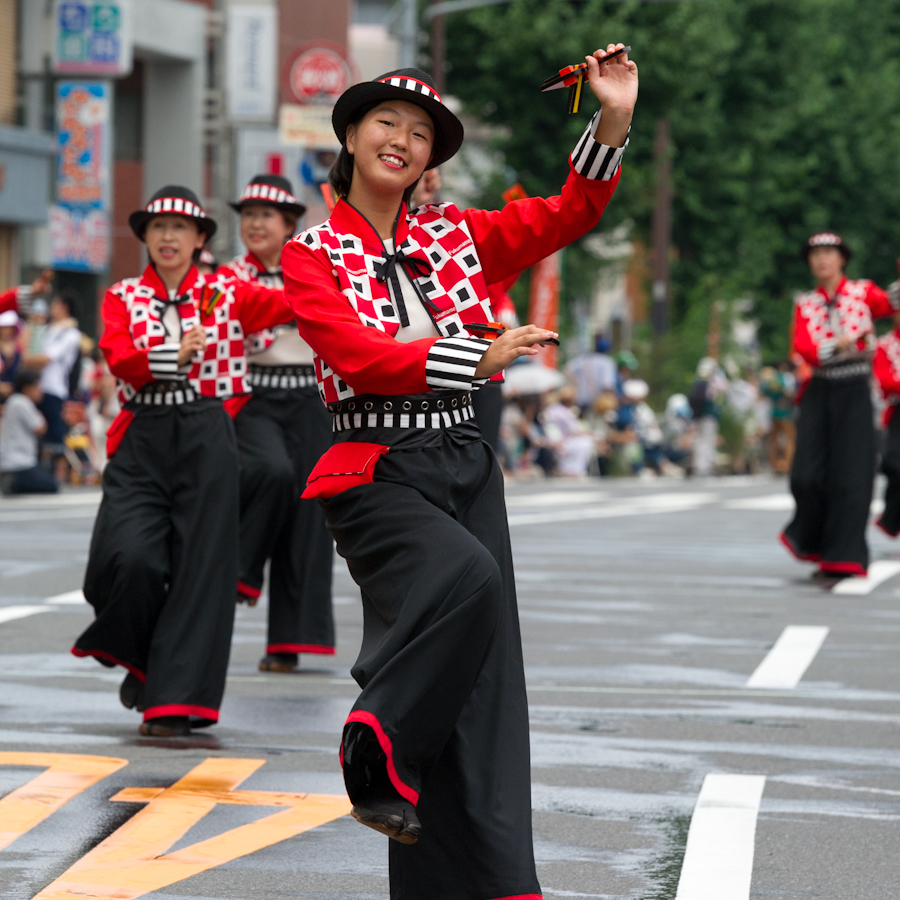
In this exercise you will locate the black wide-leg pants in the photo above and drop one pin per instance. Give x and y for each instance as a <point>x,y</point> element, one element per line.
<point>281,435</point>
<point>832,475</point>
<point>441,664</point>
<point>889,521</point>
<point>163,558</point>
<point>488,404</point>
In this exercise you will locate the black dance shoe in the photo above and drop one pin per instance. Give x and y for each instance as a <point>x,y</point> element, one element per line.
<point>397,819</point>
<point>131,693</point>
<point>279,662</point>
<point>166,726</point>
<point>376,802</point>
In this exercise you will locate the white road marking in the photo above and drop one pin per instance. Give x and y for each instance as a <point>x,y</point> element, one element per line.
<point>70,598</point>
<point>9,613</point>
<point>718,862</point>
<point>86,498</point>
<point>48,516</point>
<point>879,572</point>
<point>557,498</point>
<point>767,502</point>
<point>631,506</point>
<point>790,657</point>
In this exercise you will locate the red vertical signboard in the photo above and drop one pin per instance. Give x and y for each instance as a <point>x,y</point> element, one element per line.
<point>543,303</point>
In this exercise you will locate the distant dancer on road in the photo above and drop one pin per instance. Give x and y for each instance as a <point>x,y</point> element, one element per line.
<point>281,432</point>
<point>887,373</point>
<point>163,561</point>
<point>834,463</point>
<point>435,752</point>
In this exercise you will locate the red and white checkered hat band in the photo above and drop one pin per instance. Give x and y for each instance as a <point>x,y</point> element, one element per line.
<point>825,239</point>
<point>176,205</point>
<point>266,192</point>
<point>412,84</point>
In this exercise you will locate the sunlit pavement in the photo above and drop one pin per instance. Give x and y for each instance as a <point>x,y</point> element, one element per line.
<point>646,609</point>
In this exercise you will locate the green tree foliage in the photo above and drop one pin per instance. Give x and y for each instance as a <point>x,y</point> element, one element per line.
<point>785,120</point>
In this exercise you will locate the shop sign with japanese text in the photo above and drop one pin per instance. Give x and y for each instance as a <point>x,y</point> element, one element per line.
<point>79,223</point>
<point>92,37</point>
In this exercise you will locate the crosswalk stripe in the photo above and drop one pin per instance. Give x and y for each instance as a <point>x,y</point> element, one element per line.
<point>718,861</point>
<point>70,598</point>
<point>10,613</point>
<point>879,572</point>
<point>790,657</point>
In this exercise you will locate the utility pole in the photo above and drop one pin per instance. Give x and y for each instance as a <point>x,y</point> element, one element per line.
<point>662,227</point>
<point>439,50</point>
<point>409,34</point>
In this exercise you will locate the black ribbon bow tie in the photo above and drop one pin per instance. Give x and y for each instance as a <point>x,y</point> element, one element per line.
<point>386,271</point>
<point>176,302</point>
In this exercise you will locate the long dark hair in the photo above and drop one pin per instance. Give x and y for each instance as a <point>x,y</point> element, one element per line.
<point>340,176</point>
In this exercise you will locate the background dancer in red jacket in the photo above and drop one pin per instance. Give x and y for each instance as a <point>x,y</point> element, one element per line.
<point>886,367</point>
<point>834,464</point>
<point>281,433</point>
<point>163,559</point>
<point>435,751</point>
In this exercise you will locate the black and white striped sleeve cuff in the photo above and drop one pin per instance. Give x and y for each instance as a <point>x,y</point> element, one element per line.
<point>452,361</point>
<point>827,347</point>
<point>163,360</point>
<point>596,161</point>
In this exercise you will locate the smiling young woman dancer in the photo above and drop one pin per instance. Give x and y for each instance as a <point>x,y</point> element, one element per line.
<point>435,751</point>
<point>281,433</point>
<point>163,560</point>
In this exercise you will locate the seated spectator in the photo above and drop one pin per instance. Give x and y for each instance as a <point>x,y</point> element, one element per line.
<point>21,427</point>
<point>592,374</point>
<point>573,446</point>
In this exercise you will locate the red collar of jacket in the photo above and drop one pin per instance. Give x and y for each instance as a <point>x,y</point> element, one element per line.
<point>251,259</point>
<point>837,291</point>
<point>347,219</point>
<point>151,279</point>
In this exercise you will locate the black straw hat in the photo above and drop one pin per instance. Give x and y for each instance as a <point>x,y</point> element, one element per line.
<point>270,189</point>
<point>414,86</point>
<point>172,200</point>
<point>826,239</point>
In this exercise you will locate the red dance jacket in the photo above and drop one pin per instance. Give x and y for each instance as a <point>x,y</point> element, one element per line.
<point>336,279</point>
<point>139,350</point>
<point>248,267</point>
<point>819,320</point>
<point>886,367</point>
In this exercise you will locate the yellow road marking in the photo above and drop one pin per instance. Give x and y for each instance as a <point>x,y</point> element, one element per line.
<point>66,776</point>
<point>133,861</point>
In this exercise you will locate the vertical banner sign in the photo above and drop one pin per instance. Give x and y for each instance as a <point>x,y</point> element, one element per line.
<point>252,58</point>
<point>543,302</point>
<point>79,222</point>
<point>92,37</point>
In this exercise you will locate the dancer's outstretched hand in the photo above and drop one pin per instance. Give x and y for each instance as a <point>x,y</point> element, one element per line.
<point>615,85</point>
<point>509,346</point>
<point>192,343</point>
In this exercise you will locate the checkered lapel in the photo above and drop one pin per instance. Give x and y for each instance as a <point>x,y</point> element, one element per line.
<point>248,267</point>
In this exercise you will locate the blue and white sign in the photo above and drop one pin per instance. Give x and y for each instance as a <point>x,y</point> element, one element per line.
<point>92,37</point>
<point>252,57</point>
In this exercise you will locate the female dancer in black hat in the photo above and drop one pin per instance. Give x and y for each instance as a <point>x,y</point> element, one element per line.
<point>435,751</point>
<point>834,464</point>
<point>281,433</point>
<point>163,558</point>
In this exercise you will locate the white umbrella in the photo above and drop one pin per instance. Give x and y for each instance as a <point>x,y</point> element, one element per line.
<point>532,378</point>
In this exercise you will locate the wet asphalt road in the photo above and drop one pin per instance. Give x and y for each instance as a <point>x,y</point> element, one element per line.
<point>645,608</point>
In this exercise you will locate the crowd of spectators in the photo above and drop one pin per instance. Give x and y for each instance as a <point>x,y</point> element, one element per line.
<point>594,419</point>
<point>57,397</point>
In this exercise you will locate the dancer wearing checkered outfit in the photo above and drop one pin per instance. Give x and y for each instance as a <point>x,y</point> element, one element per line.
<point>834,464</point>
<point>435,752</point>
<point>163,559</point>
<point>886,367</point>
<point>281,433</point>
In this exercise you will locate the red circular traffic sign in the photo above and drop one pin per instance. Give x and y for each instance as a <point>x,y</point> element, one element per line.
<point>318,73</point>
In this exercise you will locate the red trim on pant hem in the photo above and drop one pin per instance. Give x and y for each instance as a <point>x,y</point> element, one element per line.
<point>852,568</point>
<point>521,897</point>
<point>803,557</point>
<point>102,654</point>
<point>248,591</point>
<point>181,709</point>
<point>879,524</point>
<point>300,648</point>
<point>366,718</point>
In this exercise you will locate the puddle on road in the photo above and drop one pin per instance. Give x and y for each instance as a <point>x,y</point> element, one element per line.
<point>665,872</point>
